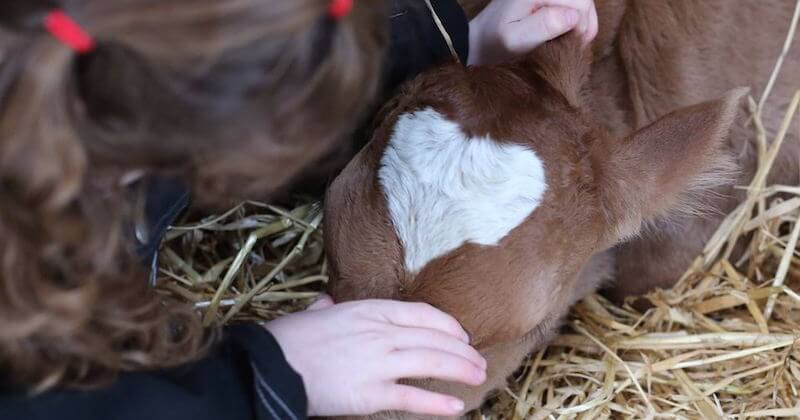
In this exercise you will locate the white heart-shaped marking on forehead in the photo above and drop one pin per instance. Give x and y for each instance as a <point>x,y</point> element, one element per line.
<point>444,188</point>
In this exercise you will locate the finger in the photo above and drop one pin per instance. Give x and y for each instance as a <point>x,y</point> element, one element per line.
<point>410,338</point>
<point>546,24</point>
<point>584,7</point>
<point>418,401</point>
<point>594,26</point>
<point>581,5</point>
<point>422,315</point>
<point>585,22</point>
<point>323,301</point>
<point>429,363</point>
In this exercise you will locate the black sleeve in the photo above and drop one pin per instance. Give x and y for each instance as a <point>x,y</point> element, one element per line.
<point>280,393</point>
<point>416,41</point>
<point>245,378</point>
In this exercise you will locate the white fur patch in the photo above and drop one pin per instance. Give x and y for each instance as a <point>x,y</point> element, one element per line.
<point>445,189</point>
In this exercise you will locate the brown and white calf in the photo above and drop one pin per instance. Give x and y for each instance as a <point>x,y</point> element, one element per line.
<point>493,192</point>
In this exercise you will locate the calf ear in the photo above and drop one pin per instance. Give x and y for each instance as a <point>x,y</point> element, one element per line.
<point>649,173</point>
<point>565,63</point>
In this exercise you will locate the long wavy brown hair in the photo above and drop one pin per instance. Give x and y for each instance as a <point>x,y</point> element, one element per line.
<point>237,97</point>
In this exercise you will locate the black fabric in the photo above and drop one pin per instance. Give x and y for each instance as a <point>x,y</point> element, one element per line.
<point>221,386</point>
<point>247,376</point>
<point>417,44</point>
<point>279,389</point>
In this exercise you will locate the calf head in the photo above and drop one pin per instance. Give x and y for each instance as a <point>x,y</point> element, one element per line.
<point>484,191</point>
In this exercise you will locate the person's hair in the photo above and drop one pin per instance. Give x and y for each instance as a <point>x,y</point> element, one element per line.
<point>236,97</point>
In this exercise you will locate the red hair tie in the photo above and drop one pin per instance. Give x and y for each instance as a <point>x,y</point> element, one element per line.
<point>338,9</point>
<point>69,32</point>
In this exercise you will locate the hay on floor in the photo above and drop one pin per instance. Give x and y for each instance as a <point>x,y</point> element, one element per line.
<point>254,262</point>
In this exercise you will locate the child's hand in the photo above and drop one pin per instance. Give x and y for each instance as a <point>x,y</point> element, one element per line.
<point>351,355</point>
<point>508,28</point>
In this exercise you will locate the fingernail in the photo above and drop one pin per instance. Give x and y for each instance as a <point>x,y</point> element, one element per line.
<point>457,405</point>
<point>571,17</point>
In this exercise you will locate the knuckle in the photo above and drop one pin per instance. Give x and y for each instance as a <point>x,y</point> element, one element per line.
<point>551,22</point>
<point>425,306</point>
<point>426,309</point>
<point>366,311</point>
<point>358,310</point>
<point>449,321</point>
<point>556,22</point>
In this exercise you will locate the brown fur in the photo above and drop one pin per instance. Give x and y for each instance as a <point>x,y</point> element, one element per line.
<point>673,54</point>
<point>235,97</point>
<point>650,59</point>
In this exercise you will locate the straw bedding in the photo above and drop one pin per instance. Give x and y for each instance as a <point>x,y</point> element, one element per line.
<point>723,343</point>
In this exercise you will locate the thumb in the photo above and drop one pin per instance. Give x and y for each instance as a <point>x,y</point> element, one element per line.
<point>543,25</point>
<point>323,301</point>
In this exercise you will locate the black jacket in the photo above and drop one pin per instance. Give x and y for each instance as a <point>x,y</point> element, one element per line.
<point>246,376</point>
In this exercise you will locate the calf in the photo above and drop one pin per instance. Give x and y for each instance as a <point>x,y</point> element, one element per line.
<point>493,192</point>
